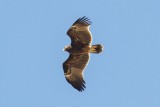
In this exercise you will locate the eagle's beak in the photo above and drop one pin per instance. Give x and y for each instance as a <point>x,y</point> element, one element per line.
<point>64,49</point>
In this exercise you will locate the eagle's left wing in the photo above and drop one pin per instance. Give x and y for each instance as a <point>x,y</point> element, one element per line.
<point>73,69</point>
<point>79,32</point>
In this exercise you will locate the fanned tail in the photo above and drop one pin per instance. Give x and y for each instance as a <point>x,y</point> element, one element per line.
<point>96,48</point>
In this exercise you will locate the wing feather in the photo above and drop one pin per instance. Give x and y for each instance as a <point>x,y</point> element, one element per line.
<point>84,21</point>
<point>73,69</point>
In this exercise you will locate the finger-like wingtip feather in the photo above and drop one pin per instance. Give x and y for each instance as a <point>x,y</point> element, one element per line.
<point>83,20</point>
<point>78,84</point>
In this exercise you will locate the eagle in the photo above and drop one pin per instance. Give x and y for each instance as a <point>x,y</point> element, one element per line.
<point>79,52</point>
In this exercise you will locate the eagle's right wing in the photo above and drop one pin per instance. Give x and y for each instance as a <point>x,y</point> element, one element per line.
<point>73,69</point>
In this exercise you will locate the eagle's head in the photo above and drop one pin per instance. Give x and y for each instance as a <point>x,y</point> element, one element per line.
<point>67,48</point>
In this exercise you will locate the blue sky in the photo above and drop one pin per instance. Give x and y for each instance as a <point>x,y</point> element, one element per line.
<point>125,74</point>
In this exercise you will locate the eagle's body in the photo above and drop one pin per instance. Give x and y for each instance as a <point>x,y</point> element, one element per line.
<point>79,50</point>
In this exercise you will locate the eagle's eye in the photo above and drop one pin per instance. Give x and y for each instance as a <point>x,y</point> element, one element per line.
<point>73,28</point>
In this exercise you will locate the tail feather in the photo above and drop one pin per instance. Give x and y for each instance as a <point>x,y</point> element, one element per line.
<point>96,48</point>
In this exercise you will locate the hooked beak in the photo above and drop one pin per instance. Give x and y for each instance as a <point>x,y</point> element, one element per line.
<point>64,49</point>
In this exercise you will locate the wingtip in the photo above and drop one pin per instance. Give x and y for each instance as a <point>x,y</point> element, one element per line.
<point>78,85</point>
<point>83,20</point>
<point>82,86</point>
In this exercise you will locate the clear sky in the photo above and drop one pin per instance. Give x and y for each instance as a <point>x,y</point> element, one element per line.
<point>125,74</point>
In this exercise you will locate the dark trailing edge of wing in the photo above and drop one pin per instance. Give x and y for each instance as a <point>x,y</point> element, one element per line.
<point>83,20</point>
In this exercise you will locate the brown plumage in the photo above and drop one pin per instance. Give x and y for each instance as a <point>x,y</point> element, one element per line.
<point>79,50</point>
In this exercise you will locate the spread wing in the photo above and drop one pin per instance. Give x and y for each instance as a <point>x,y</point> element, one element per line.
<point>73,69</point>
<point>79,32</point>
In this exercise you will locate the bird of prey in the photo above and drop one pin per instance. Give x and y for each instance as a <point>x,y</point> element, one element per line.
<point>79,51</point>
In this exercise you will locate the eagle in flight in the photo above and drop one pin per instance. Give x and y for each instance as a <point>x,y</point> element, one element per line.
<point>79,51</point>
